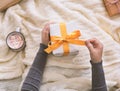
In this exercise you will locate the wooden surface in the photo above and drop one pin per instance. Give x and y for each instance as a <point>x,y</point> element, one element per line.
<point>4,4</point>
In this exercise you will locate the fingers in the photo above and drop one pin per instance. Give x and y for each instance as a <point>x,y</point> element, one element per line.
<point>47,26</point>
<point>89,45</point>
<point>45,33</point>
<point>94,42</point>
<point>95,48</point>
<point>94,45</point>
<point>46,29</point>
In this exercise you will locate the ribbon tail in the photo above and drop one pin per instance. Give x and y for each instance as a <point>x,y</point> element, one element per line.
<point>77,42</point>
<point>53,46</point>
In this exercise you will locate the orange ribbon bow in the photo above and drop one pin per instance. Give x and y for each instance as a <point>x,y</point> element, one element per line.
<point>65,40</point>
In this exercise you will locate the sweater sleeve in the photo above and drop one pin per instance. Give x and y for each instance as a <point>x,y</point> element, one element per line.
<point>98,78</point>
<point>34,77</point>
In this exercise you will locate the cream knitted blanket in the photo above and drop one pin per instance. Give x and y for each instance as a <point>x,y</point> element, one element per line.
<point>71,73</point>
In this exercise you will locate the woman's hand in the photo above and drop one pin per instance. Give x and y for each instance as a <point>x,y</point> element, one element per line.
<point>45,34</point>
<point>95,48</point>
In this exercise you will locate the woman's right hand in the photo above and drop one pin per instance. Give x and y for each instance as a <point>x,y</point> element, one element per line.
<point>95,48</point>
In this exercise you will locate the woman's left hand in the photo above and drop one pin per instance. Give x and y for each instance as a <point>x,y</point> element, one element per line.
<point>45,34</point>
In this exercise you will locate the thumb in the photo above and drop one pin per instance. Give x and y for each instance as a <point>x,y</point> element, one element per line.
<point>89,45</point>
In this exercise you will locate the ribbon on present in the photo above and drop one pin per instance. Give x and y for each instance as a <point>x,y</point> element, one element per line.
<point>64,40</point>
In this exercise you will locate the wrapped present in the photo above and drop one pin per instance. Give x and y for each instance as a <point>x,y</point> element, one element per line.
<point>112,6</point>
<point>64,39</point>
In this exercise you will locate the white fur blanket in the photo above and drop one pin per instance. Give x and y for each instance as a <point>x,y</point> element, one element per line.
<point>71,73</point>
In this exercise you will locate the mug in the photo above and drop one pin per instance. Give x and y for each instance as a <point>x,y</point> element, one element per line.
<point>16,40</point>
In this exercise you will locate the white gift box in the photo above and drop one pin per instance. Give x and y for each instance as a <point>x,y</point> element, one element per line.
<point>55,31</point>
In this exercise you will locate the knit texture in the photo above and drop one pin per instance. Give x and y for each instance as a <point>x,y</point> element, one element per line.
<point>64,73</point>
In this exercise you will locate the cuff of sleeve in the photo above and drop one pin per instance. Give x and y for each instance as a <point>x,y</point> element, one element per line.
<point>42,47</point>
<point>95,64</point>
